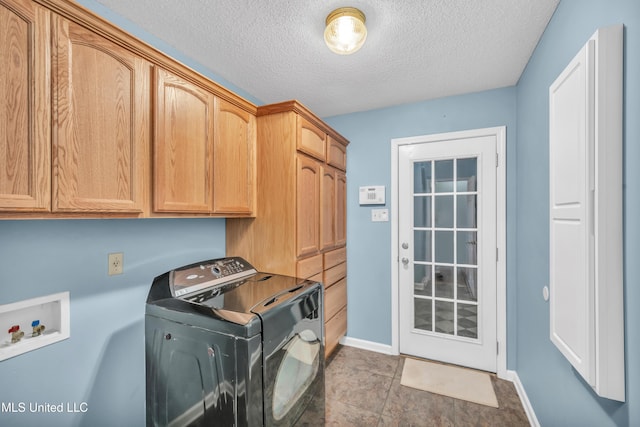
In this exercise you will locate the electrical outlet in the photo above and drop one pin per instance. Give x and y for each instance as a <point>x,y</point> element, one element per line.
<point>116,263</point>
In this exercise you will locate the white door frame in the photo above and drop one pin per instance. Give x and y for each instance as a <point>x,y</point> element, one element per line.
<point>501,226</point>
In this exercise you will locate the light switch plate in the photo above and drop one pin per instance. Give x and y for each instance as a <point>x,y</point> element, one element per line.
<point>379,215</point>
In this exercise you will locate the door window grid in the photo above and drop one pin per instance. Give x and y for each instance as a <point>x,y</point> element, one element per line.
<point>454,310</point>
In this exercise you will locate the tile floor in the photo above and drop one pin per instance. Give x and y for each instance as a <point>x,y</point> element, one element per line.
<point>363,389</point>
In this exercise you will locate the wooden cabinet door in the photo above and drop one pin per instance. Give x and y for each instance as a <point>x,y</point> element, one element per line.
<point>341,209</point>
<point>327,208</point>
<point>100,123</point>
<point>310,139</point>
<point>183,146</point>
<point>25,114</point>
<point>307,206</point>
<point>336,154</point>
<point>234,159</point>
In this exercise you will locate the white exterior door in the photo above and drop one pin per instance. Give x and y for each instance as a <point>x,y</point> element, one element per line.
<point>447,271</point>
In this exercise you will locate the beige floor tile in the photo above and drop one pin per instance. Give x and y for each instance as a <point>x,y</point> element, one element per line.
<point>363,388</point>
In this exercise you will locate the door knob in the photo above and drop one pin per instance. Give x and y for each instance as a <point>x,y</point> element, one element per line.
<point>405,261</point>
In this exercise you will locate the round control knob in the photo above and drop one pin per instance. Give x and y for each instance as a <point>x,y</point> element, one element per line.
<point>216,271</point>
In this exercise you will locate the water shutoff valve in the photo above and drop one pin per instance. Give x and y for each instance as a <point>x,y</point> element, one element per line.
<point>16,334</point>
<point>38,329</point>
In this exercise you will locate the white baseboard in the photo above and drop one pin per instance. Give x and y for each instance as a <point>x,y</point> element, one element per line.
<point>367,345</point>
<point>528,409</point>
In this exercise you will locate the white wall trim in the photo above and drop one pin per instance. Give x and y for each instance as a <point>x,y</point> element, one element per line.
<point>368,345</point>
<point>526,404</point>
<point>500,133</point>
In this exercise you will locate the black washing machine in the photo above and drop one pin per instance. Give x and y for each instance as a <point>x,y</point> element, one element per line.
<point>229,346</point>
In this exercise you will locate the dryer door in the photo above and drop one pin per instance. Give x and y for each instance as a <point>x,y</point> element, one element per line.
<point>294,361</point>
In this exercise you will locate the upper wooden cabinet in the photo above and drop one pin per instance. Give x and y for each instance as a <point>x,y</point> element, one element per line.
<point>183,146</point>
<point>25,119</point>
<point>204,151</point>
<point>76,128</point>
<point>234,157</point>
<point>310,139</point>
<point>100,122</point>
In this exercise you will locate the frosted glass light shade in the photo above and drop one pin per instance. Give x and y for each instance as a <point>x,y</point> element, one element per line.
<point>345,32</point>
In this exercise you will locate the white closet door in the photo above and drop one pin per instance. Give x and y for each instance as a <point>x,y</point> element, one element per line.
<point>585,189</point>
<point>570,190</point>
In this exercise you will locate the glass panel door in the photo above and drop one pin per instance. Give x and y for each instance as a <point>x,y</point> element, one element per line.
<point>445,212</point>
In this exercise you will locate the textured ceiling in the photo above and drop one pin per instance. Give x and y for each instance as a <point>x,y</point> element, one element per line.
<point>415,49</point>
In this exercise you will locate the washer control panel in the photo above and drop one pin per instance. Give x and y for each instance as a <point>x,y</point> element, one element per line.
<point>212,273</point>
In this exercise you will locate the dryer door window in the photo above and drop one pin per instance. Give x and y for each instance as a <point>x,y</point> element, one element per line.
<point>298,368</point>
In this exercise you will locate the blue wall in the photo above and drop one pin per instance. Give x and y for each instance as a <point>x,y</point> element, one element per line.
<point>558,394</point>
<point>369,163</point>
<point>102,363</point>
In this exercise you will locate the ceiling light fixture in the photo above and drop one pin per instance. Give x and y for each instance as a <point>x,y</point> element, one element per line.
<point>345,32</point>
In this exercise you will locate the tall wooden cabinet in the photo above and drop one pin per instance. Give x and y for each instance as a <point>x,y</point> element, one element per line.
<point>25,118</point>
<point>300,226</point>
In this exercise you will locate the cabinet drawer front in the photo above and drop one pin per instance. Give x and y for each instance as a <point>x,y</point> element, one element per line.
<point>311,140</point>
<point>333,258</point>
<point>309,267</point>
<point>333,274</point>
<point>335,298</point>
<point>335,328</point>
<point>336,154</point>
